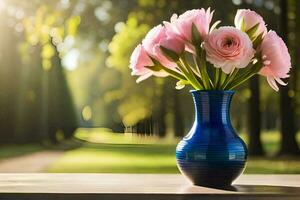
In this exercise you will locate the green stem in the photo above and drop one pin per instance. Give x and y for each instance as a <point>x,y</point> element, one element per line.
<point>173,73</point>
<point>254,69</point>
<point>189,73</point>
<point>217,76</point>
<point>201,64</point>
<point>195,71</point>
<point>197,67</point>
<point>234,84</point>
<point>229,78</point>
<point>222,79</point>
<point>190,69</point>
<point>203,71</point>
<point>184,71</point>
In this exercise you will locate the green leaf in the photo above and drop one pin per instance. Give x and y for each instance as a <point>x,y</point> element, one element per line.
<point>243,26</point>
<point>257,41</point>
<point>251,32</point>
<point>155,62</point>
<point>203,70</point>
<point>155,68</point>
<point>223,78</point>
<point>158,66</point>
<point>169,54</point>
<point>196,38</point>
<point>229,78</point>
<point>217,76</point>
<point>252,70</point>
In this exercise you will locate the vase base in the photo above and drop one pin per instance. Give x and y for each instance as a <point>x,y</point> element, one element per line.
<point>212,174</point>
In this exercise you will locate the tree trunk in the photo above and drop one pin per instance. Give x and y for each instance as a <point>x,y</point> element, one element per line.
<point>296,66</point>
<point>60,106</point>
<point>9,73</point>
<point>178,118</point>
<point>162,128</point>
<point>288,132</point>
<point>148,126</point>
<point>254,119</point>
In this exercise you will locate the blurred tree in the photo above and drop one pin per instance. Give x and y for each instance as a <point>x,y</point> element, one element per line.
<point>178,115</point>
<point>287,121</point>
<point>294,17</point>
<point>29,104</point>
<point>133,105</point>
<point>254,118</point>
<point>254,113</point>
<point>61,113</point>
<point>91,80</point>
<point>57,118</point>
<point>9,73</point>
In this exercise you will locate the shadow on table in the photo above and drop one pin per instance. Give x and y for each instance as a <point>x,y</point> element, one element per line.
<point>262,189</point>
<point>265,189</point>
<point>253,189</point>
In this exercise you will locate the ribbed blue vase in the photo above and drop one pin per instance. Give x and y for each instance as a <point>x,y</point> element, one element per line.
<point>212,154</point>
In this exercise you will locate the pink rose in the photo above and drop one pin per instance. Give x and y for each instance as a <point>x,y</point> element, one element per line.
<point>138,62</point>
<point>182,25</point>
<point>251,18</point>
<point>276,59</point>
<point>172,42</point>
<point>228,48</point>
<point>158,36</point>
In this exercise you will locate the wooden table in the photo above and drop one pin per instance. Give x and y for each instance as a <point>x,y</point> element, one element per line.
<point>40,186</point>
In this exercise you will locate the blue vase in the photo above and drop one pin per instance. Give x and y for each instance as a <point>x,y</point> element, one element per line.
<point>211,154</point>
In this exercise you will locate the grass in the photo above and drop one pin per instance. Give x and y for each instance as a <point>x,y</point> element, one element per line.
<point>105,152</point>
<point>112,158</point>
<point>9,151</point>
<point>14,150</point>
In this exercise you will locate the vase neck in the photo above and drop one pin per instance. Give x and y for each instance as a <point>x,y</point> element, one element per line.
<point>212,107</point>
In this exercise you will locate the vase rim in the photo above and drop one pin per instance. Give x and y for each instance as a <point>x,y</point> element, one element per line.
<point>213,91</point>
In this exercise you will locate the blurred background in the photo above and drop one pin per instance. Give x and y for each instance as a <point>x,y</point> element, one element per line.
<point>69,104</point>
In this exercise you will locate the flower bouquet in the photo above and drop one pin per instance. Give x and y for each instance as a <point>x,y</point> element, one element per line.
<point>213,60</point>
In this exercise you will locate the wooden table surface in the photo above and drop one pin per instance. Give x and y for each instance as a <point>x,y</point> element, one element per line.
<point>91,186</point>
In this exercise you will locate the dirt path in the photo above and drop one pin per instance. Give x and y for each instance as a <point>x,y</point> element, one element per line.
<point>35,162</point>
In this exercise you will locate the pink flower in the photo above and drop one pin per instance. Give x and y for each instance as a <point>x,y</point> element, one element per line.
<point>182,25</point>
<point>276,59</point>
<point>228,48</point>
<point>139,61</point>
<point>159,36</point>
<point>251,18</point>
<point>173,42</point>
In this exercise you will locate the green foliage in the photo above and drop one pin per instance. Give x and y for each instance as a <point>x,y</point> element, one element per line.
<point>128,36</point>
<point>47,28</point>
<point>133,105</point>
